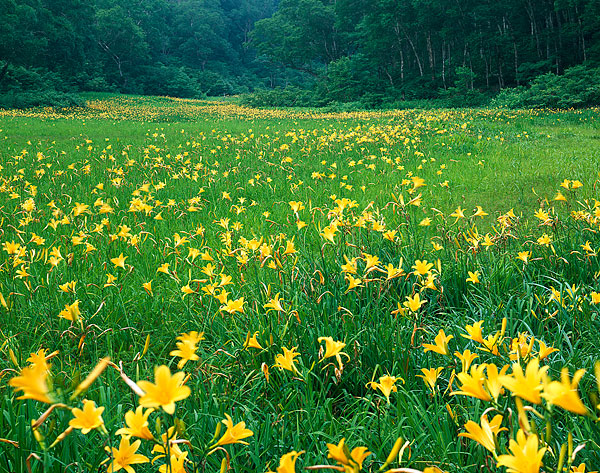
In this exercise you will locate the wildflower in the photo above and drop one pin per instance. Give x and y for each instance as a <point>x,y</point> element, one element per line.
<point>430,376</point>
<point>441,343</point>
<point>526,385</point>
<point>191,337</point>
<point>339,453</point>
<point>493,383</point>
<point>290,248</point>
<point>580,469</point>
<point>137,424</point>
<point>472,383</point>
<point>119,261</point>
<point>422,267</point>
<point>252,342</point>
<point>234,306</point>
<point>274,304</point>
<point>563,393</point>
<point>390,235</point>
<point>176,464</point>
<point>525,457</point>
<point>386,384</point>
<point>329,232</point>
<point>125,456</point>
<point>524,256</point>
<point>187,290</point>
<point>544,350</point>
<point>166,390</point>
<point>286,361</point>
<point>473,277</point>
<point>38,360</point>
<point>353,282</point>
<point>33,381</point>
<point>333,348</point>
<point>68,286</point>
<point>234,433</point>
<point>186,351</point>
<point>168,444</point>
<point>11,247</point>
<point>458,213</point>
<point>88,418</point>
<point>147,286</point>
<point>287,463</point>
<point>466,358</point>
<point>296,206</point>
<point>560,197</point>
<point>371,262</point>
<point>484,434</point>
<point>110,280</point>
<point>71,312</point>
<point>414,303</point>
<point>393,272</point>
<point>544,240</point>
<point>265,369</point>
<point>479,212</point>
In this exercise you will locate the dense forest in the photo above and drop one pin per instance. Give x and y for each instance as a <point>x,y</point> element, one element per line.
<point>302,51</point>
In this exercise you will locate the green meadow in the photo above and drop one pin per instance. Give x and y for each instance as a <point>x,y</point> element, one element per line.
<point>393,278</point>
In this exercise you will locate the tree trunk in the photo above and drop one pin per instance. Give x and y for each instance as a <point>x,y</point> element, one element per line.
<point>430,54</point>
<point>397,29</point>
<point>516,63</point>
<point>4,72</point>
<point>444,64</point>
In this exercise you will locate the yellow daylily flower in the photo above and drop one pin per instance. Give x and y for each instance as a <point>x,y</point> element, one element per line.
<point>125,456</point>
<point>165,391</point>
<point>88,418</point>
<point>441,343</point>
<point>483,434</point>
<point>287,463</point>
<point>386,384</point>
<point>526,385</point>
<point>119,261</point>
<point>525,456</point>
<point>137,424</point>
<point>234,433</point>
<point>563,393</point>
<point>285,361</point>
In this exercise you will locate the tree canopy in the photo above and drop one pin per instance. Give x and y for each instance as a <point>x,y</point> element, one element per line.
<point>341,50</point>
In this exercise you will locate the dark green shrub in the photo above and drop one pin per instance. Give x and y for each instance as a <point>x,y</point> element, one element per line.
<point>40,98</point>
<point>462,94</point>
<point>509,98</point>
<point>25,88</point>
<point>280,97</point>
<point>578,87</point>
<point>170,81</point>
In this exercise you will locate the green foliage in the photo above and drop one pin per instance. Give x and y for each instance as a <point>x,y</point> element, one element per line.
<point>463,94</point>
<point>578,87</point>
<point>279,97</point>
<point>170,81</point>
<point>195,152</point>
<point>366,53</point>
<point>301,34</point>
<point>509,98</point>
<point>48,98</point>
<point>25,88</point>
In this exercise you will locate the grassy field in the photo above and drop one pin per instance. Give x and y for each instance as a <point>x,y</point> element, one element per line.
<point>390,279</point>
